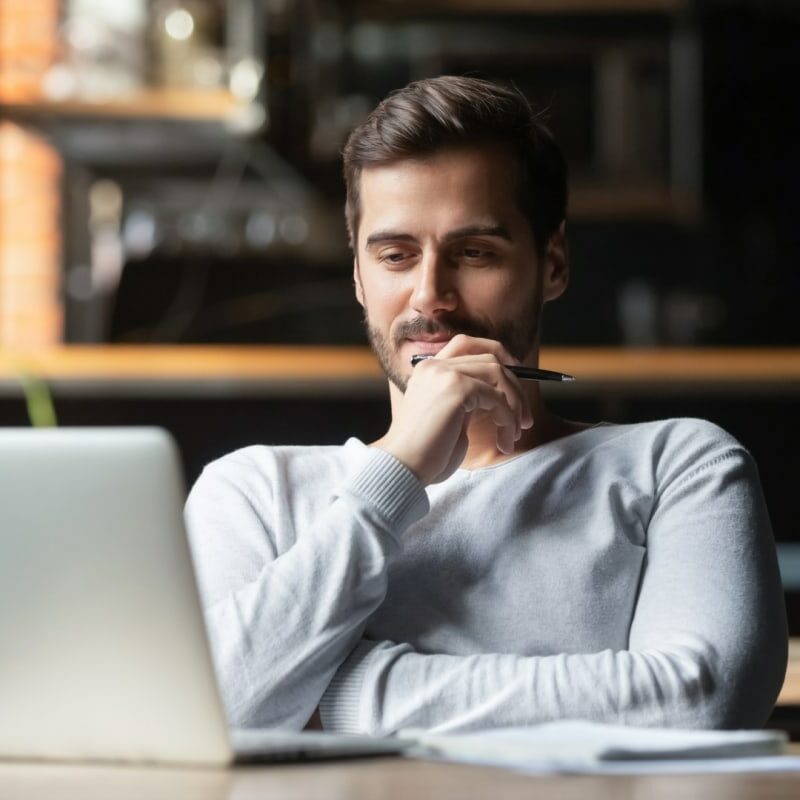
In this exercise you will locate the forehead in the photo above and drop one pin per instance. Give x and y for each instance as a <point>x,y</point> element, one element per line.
<point>446,190</point>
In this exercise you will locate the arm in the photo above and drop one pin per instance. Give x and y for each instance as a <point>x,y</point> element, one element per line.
<point>281,623</point>
<point>282,620</point>
<point>707,643</point>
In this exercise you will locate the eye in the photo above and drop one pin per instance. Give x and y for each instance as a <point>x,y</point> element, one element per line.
<point>394,258</point>
<point>474,255</point>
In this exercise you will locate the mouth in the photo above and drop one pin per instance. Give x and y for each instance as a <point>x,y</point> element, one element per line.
<point>427,345</point>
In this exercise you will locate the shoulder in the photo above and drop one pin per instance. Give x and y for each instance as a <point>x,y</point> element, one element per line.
<point>688,435</point>
<point>668,450</point>
<point>266,458</point>
<point>260,471</point>
<point>675,450</point>
<point>683,446</point>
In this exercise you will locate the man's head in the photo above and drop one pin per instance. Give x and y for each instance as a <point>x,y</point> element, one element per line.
<point>438,113</point>
<point>456,198</point>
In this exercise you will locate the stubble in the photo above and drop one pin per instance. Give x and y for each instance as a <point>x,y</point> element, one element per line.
<point>517,336</point>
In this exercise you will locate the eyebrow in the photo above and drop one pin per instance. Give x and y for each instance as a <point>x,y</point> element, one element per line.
<point>459,233</point>
<point>479,230</point>
<point>388,236</point>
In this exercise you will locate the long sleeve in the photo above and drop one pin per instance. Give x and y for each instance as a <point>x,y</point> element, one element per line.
<point>282,617</point>
<point>707,640</point>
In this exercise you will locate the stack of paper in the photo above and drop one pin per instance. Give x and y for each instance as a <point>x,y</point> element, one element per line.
<point>576,744</point>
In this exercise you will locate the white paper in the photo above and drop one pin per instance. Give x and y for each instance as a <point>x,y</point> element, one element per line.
<point>578,746</point>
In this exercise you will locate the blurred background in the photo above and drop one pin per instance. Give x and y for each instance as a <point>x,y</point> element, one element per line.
<point>172,247</point>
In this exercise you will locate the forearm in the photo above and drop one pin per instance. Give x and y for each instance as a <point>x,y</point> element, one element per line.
<point>278,640</point>
<point>383,688</point>
<point>279,635</point>
<point>391,688</point>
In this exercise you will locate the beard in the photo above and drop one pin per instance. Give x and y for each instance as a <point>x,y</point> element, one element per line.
<point>516,335</point>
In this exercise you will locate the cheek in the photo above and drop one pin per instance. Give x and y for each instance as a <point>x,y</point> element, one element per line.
<point>496,293</point>
<point>521,287</point>
<point>383,286</point>
<point>506,303</point>
<point>382,299</point>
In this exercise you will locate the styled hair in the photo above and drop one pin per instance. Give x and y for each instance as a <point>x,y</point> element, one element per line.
<point>436,113</point>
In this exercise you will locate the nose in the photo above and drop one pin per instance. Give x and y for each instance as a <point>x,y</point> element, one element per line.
<point>434,286</point>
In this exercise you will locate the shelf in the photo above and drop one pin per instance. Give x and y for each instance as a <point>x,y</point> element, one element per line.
<point>303,370</point>
<point>157,104</point>
<point>665,367</point>
<point>211,370</point>
<point>555,7</point>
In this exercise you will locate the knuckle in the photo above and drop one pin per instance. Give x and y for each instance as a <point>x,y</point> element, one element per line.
<point>459,340</point>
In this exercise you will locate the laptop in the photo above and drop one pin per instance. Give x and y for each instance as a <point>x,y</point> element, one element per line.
<point>103,648</point>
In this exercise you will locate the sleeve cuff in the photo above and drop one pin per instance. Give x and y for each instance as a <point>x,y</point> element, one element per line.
<point>391,488</point>
<point>340,706</point>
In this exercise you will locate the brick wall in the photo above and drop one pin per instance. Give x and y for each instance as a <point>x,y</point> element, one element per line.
<point>30,198</point>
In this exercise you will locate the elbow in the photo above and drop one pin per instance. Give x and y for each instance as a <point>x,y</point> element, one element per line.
<point>750,684</point>
<point>696,694</point>
<point>755,683</point>
<point>709,690</point>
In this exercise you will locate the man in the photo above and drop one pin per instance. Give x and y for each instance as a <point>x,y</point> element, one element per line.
<point>484,563</point>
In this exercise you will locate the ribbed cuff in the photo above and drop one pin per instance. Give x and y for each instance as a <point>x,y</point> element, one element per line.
<point>392,488</point>
<point>340,706</point>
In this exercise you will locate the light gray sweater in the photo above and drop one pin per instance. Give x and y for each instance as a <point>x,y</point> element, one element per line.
<point>625,573</point>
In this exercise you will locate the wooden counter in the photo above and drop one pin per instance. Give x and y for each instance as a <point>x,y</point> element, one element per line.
<point>300,369</point>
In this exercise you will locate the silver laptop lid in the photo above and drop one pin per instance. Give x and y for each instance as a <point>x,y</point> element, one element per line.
<point>103,650</point>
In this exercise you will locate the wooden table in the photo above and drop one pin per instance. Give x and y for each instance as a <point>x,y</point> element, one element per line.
<point>384,779</point>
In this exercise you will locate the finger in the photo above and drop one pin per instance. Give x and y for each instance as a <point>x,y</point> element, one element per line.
<point>481,396</point>
<point>526,416</point>
<point>462,345</point>
<point>505,442</point>
<point>507,434</point>
<point>457,456</point>
<point>525,412</point>
<point>487,369</point>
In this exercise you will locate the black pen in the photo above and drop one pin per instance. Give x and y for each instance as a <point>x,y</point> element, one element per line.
<point>526,373</point>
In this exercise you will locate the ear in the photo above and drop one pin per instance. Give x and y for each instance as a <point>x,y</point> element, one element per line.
<point>357,282</point>
<point>555,270</point>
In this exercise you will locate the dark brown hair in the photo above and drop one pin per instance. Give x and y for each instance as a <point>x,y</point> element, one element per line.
<point>432,114</point>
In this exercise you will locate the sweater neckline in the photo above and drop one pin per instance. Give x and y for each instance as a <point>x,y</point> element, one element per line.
<point>463,471</point>
<point>539,449</point>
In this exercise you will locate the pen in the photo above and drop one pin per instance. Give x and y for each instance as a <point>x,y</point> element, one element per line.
<point>526,373</point>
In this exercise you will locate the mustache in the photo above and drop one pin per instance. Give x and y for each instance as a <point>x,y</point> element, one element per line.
<point>445,325</point>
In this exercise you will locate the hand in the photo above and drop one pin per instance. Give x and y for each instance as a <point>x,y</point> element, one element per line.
<point>429,428</point>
